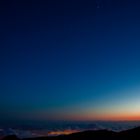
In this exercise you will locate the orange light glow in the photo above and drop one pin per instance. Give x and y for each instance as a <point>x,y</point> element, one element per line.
<point>65,132</point>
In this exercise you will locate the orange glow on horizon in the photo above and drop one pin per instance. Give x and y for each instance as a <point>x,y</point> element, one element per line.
<point>103,117</point>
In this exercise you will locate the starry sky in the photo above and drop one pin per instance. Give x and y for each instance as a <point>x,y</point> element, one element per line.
<point>76,60</point>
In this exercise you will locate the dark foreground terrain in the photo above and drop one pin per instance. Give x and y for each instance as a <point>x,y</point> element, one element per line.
<point>133,134</point>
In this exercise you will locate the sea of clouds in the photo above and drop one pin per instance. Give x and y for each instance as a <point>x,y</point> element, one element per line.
<point>37,129</point>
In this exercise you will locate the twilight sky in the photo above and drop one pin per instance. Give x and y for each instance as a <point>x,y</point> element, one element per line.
<point>65,59</point>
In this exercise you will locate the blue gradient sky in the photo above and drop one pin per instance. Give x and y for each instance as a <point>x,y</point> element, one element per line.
<point>69,59</point>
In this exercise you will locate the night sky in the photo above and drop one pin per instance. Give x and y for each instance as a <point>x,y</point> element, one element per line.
<point>75,60</point>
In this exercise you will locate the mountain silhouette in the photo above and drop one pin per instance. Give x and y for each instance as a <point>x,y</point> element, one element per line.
<point>132,134</point>
<point>11,137</point>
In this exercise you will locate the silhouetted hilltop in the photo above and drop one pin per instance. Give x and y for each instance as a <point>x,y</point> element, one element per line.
<point>133,134</point>
<point>130,134</point>
<point>11,137</point>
